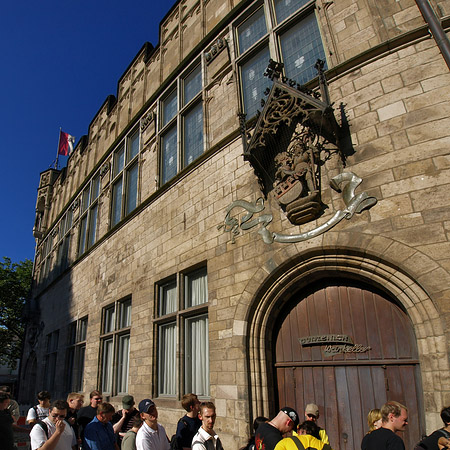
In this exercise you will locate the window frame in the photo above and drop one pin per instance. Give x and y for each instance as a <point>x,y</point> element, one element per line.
<point>271,40</point>
<point>122,177</point>
<point>89,204</point>
<point>109,377</point>
<point>75,354</point>
<point>176,123</point>
<point>179,318</point>
<point>50,360</point>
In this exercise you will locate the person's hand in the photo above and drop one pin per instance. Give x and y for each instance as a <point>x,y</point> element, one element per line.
<point>124,412</point>
<point>60,426</point>
<point>71,420</point>
<point>443,443</point>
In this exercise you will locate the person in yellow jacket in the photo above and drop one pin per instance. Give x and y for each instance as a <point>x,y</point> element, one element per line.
<point>307,438</point>
<point>312,414</point>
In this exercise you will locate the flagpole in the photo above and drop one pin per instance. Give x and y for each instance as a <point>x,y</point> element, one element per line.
<point>57,149</point>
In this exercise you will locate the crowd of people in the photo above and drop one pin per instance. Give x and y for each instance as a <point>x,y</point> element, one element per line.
<point>68,425</point>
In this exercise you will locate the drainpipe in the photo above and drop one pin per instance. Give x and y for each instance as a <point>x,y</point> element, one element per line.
<point>436,29</point>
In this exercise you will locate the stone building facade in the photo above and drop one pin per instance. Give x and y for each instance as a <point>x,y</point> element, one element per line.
<point>258,254</point>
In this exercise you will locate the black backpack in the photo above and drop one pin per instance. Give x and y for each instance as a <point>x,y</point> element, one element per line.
<point>174,440</point>
<point>43,425</point>
<point>421,445</point>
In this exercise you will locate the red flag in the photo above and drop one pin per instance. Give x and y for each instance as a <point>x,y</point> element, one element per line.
<point>66,142</point>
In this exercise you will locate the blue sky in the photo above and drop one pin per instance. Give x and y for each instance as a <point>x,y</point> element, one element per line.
<point>61,59</point>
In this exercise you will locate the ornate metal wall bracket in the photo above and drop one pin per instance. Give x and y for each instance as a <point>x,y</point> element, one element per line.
<point>355,203</point>
<point>295,134</point>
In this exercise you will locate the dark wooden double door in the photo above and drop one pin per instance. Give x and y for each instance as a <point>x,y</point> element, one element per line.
<point>346,386</point>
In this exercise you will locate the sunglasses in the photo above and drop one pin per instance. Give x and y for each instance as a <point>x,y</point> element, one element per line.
<point>311,416</point>
<point>61,416</point>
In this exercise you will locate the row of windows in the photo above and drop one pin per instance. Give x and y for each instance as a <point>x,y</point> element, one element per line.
<point>181,323</point>
<point>284,30</point>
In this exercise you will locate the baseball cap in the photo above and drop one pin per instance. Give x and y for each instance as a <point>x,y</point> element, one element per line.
<point>145,404</point>
<point>312,408</point>
<point>127,401</point>
<point>292,414</point>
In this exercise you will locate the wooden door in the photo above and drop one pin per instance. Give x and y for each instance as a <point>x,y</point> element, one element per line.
<point>381,365</point>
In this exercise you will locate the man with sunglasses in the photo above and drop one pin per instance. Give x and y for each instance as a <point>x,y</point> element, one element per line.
<point>53,432</point>
<point>312,414</point>
<point>87,413</point>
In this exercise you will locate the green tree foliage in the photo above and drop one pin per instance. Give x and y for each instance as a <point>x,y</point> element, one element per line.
<point>15,283</point>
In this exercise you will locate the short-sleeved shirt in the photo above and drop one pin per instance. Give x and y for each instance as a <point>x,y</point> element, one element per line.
<point>186,429</point>
<point>38,436</point>
<point>267,437</point>
<point>84,416</point>
<point>308,441</point>
<point>42,413</point>
<point>129,441</point>
<point>13,408</point>
<point>127,424</point>
<point>149,439</point>
<point>382,439</point>
<point>99,436</point>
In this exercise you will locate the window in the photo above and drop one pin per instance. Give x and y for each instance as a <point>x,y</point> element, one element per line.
<point>62,253</point>
<point>289,35</point>
<point>115,343</point>
<point>125,171</point>
<point>46,258</point>
<point>50,360</point>
<point>89,214</point>
<point>182,324</point>
<point>75,354</point>
<point>181,112</point>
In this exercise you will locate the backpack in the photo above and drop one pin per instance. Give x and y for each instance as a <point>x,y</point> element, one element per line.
<point>421,446</point>
<point>174,440</point>
<point>43,425</point>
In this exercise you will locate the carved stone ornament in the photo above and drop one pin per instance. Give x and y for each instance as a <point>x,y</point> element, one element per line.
<point>345,182</point>
<point>147,120</point>
<point>105,169</point>
<point>295,134</point>
<point>215,49</point>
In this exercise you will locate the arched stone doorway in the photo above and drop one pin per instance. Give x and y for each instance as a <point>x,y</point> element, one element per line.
<point>379,362</point>
<point>287,274</point>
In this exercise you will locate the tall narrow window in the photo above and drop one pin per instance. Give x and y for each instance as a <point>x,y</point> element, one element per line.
<point>183,309</point>
<point>181,124</point>
<point>115,347</point>
<point>89,215</point>
<point>64,235</point>
<point>125,178</point>
<point>50,360</point>
<point>75,354</point>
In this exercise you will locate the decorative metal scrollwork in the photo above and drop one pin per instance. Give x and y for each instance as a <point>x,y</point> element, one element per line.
<point>355,203</point>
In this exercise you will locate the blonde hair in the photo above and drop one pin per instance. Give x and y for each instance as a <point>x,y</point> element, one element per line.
<point>373,416</point>
<point>74,395</point>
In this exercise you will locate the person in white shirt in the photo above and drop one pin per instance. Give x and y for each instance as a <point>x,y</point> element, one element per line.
<point>53,432</point>
<point>151,435</point>
<point>206,438</point>
<point>40,411</point>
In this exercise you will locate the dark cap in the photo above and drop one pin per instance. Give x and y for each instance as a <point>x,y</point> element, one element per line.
<point>292,414</point>
<point>127,401</point>
<point>145,405</point>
